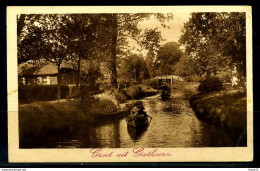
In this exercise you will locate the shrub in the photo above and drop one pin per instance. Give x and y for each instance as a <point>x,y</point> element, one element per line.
<point>152,83</point>
<point>120,96</point>
<point>134,92</point>
<point>73,91</point>
<point>105,86</point>
<point>210,84</point>
<point>91,88</point>
<point>27,93</point>
<point>123,84</point>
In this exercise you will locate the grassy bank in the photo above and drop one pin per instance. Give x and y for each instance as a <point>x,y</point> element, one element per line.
<point>38,118</point>
<point>185,88</point>
<point>224,109</point>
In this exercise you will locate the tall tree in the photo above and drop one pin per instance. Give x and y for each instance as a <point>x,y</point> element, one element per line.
<point>85,38</point>
<point>168,55</point>
<point>215,40</point>
<point>42,39</point>
<point>151,42</point>
<point>126,25</point>
<point>134,67</point>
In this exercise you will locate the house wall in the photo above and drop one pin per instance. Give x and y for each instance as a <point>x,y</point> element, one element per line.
<point>45,80</point>
<point>67,77</point>
<point>48,80</point>
<point>22,80</point>
<point>30,81</point>
<point>53,80</point>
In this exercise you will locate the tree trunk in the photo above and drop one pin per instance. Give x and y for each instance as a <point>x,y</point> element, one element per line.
<point>20,24</point>
<point>58,80</point>
<point>78,72</point>
<point>113,52</point>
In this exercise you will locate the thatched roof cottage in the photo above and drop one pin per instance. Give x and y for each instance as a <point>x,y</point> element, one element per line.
<point>45,74</point>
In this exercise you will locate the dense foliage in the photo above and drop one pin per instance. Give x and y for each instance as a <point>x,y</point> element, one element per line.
<point>152,83</point>
<point>134,68</point>
<point>167,56</point>
<point>216,41</point>
<point>210,84</point>
<point>76,37</point>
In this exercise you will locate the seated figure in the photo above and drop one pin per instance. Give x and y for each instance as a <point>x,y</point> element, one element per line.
<point>138,110</point>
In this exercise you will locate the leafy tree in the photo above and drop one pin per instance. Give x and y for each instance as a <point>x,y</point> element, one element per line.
<point>59,38</point>
<point>85,38</point>
<point>134,68</point>
<point>151,42</point>
<point>184,67</point>
<point>62,37</point>
<point>123,26</point>
<point>168,55</point>
<point>216,40</point>
<point>42,39</point>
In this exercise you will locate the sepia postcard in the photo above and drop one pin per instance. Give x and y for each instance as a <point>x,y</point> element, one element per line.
<point>129,84</point>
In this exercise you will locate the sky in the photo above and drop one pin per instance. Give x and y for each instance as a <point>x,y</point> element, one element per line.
<point>172,34</point>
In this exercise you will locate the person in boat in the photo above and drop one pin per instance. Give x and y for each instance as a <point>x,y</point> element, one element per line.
<point>138,110</point>
<point>165,92</point>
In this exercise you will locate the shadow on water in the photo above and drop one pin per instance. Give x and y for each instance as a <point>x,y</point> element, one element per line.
<point>136,133</point>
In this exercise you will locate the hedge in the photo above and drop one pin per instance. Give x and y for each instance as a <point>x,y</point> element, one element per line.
<point>211,84</point>
<point>27,93</point>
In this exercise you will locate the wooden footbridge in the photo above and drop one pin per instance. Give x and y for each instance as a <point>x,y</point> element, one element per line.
<point>168,80</point>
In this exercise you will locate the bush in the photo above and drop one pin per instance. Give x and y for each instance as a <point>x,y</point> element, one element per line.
<point>90,88</point>
<point>210,84</point>
<point>27,93</point>
<point>120,96</point>
<point>152,83</point>
<point>73,91</point>
<point>105,86</point>
<point>134,92</point>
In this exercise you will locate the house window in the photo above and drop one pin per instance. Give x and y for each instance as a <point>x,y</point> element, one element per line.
<point>53,80</point>
<point>22,80</point>
<point>38,81</point>
<point>44,80</point>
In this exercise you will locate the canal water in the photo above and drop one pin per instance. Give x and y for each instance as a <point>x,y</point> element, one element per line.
<point>173,124</point>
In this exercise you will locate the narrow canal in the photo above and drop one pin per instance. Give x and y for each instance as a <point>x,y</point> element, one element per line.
<point>174,124</point>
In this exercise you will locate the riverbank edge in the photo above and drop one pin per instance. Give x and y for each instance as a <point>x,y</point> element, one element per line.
<point>226,110</point>
<point>40,117</point>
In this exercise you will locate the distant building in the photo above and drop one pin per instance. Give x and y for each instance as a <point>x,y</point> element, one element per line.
<point>45,74</point>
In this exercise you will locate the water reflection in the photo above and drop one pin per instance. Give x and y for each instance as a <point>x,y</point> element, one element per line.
<point>174,125</point>
<point>136,133</point>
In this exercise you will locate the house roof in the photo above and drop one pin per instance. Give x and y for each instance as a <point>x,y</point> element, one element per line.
<point>48,68</point>
<point>28,69</point>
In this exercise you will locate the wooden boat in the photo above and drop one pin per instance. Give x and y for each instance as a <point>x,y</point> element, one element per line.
<point>165,95</point>
<point>109,113</point>
<point>139,121</point>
